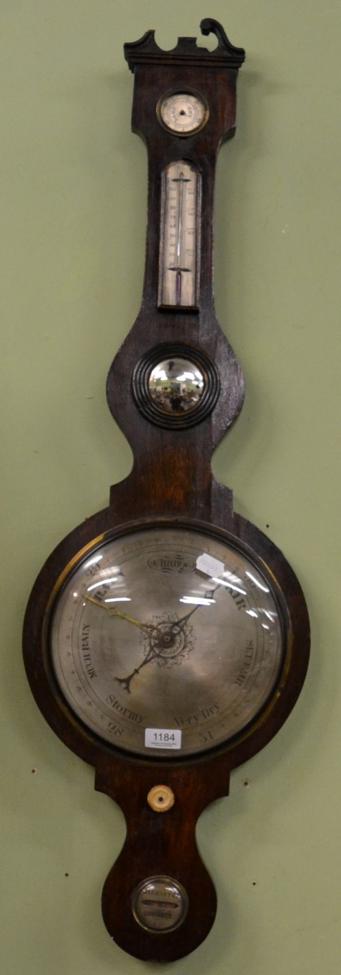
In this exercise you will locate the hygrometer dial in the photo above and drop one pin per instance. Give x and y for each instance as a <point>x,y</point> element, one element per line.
<point>182,112</point>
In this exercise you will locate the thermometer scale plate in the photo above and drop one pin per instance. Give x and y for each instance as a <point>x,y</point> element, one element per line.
<point>179,260</point>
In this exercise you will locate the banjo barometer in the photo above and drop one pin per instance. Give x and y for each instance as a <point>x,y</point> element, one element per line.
<point>166,638</point>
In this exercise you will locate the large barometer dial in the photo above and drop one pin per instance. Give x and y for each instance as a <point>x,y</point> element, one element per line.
<point>166,639</point>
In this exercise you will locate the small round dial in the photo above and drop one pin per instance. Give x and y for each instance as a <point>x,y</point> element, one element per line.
<point>183,113</point>
<point>166,640</point>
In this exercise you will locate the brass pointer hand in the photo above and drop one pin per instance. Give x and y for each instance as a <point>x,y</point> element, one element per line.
<point>118,612</point>
<point>146,627</point>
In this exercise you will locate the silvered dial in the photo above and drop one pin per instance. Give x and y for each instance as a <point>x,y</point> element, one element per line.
<point>182,113</point>
<point>166,632</point>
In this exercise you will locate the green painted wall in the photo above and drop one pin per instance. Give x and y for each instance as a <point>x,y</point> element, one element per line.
<point>73,215</point>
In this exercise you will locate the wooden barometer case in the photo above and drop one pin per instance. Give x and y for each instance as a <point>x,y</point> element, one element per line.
<point>166,638</point>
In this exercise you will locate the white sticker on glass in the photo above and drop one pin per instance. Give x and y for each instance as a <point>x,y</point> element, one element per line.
<point>209,565</point>
<point>162,738</point>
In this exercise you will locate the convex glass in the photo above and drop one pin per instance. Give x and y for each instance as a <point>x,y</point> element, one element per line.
<point>167,640</point>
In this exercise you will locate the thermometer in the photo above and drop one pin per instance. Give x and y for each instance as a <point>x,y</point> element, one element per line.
<point>179,261</point>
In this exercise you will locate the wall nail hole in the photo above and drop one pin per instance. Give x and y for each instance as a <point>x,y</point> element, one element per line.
<point>66,874</point>
<point>246,782</point>
<point>267,526</point>
<point>253,883</point>
<point>34,771</point>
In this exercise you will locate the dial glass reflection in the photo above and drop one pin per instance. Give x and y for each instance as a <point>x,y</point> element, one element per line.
<point>176,385</point>
<point>144,638</point>
<point>179,236</point>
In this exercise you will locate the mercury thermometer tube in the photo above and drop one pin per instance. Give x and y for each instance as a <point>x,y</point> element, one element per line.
<point>179,236</point>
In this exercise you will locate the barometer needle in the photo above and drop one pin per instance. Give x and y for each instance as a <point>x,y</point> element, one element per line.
<point>184,618</point>
<point>198,606</point>
<point>118,612</point>
<point>126,681</point>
